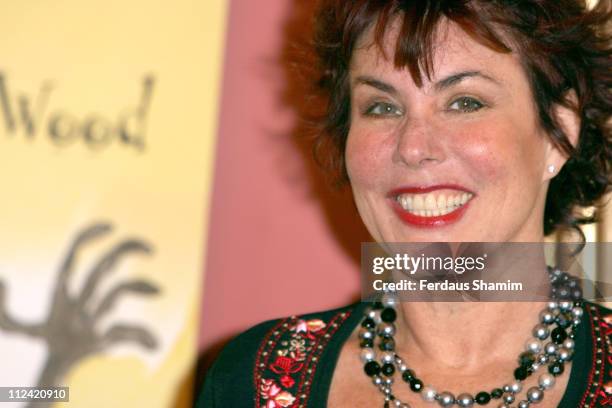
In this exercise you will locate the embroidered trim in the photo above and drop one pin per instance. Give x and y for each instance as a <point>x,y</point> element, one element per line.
<point>287,360</point>
<point>600,374</point>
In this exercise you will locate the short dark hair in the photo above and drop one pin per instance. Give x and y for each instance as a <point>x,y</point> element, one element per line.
<point>563,45</point>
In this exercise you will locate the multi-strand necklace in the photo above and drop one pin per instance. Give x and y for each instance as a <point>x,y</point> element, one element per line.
<point>552,345</point>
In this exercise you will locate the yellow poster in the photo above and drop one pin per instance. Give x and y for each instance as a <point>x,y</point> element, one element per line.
<point>107,121</point>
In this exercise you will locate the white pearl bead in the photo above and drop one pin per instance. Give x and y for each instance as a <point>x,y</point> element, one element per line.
<point>516,387</point>
<point>540,331</point>
<point>569,344</point>
<point>546,381</point>
<point>564,354</point>
<point>534,346</point>
<point>429,394</point>
<point>367,354</point>
<point>387,357</point>
<point>535,395</point>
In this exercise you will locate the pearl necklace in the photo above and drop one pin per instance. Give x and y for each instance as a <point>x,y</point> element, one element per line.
<point>564,313</point>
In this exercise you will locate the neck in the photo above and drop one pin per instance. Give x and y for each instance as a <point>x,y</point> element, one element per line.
<point>467,334</point>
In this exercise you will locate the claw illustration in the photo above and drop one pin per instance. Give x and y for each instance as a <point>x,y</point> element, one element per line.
<point>69,330</point>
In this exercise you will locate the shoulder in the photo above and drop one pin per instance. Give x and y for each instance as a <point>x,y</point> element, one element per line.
<point>269,360</point>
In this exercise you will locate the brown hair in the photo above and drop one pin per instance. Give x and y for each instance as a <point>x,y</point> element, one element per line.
<point>562,45</point>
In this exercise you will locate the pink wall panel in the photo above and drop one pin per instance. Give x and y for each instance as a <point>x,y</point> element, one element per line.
<point>280,242</point>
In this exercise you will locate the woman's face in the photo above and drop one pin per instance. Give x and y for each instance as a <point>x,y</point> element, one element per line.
<point>460,159</point>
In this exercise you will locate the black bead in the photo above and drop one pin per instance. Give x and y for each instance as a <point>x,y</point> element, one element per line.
<point>416,385</point>
<point>520,373</point>
<point>372,368</point>
<point>408,375</point>
<point>387,344</point>
<point>368,323</point>
<point>388,315</point>
<point>558,335</point>
<point>387,404</point>
<point>497,393</point>
<point>482,398</point>
<point>556,368</point>
<point>526,359</point>
<point>366,343</point>
<point>388,369</point>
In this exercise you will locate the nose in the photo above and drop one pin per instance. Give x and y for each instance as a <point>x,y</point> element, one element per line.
<point>418,144</point>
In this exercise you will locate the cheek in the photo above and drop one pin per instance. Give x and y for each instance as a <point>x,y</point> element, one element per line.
<point>365,153</point>
<point>496,151</point>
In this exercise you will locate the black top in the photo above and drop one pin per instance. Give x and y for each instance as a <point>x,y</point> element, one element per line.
<point>290,362</point>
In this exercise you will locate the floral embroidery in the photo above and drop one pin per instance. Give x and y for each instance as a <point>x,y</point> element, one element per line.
<point>287,360</point>
<point>275,396</point>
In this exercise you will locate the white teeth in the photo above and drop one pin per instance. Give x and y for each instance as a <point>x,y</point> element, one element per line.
<point>418,203</point>
<point>430,205</point>
<point>441,201</point>
<point>430,202</point>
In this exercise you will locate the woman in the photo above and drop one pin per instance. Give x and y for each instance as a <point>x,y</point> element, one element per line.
<point>453,121</point>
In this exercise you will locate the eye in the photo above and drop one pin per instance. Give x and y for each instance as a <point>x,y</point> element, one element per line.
<point>466,104</point>
<point>383,109</point>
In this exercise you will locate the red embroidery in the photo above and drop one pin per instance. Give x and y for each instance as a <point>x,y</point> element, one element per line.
<point>291,352</point>
<point>599,388</point>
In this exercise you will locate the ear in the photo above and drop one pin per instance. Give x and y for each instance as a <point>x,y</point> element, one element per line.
<point>569,121</point>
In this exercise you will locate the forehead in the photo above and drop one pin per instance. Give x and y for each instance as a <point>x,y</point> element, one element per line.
<point>452,49</point>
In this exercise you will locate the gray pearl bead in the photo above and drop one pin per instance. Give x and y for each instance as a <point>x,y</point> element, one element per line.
<point>386,329</point>
<point>534,346</point>
<point>446,399</point>
<point>523,404</point>
<point>535,366</point>
<point>403,367</point>
<point>506,387</point>
<point>428,394</point>
<point>546,381</point>
<point>564,354</point>
<point>569,344</point>
<point>535,395</point>
<point>377,380</point>
<point>552,305</point>
<point>516,387</point>
<point>547,316</point>
<point>540,332</point>
<point>577,312</point>
<point>388,381</point>
<point>367,354</point>
<point>366,334</point>
<point>550,349</point>
<point>465,400</point>
<point>543,358</point>
<point>389,300</point>
<point>397,403</point>
<point>508,398</point>
<point>387,357</point>
<point>565,305</point>
<point>375,315</point>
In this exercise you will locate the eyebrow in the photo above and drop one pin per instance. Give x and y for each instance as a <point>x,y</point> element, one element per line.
<point>440,85</point>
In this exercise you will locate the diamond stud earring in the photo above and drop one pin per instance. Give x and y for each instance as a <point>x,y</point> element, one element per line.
<point>551,168</point>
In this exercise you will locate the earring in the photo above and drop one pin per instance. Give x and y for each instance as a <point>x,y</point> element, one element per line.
<point>551,168</point>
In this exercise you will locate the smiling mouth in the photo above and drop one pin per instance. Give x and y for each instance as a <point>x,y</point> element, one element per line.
<point>433,204</point>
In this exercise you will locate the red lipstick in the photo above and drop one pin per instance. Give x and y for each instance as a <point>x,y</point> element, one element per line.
<point>427,222</point>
